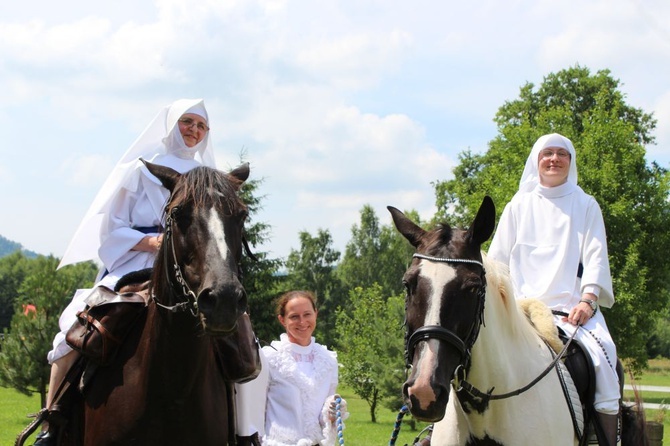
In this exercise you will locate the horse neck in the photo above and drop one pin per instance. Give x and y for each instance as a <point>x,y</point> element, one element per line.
<point>180,347</point>
<point>503,353</point>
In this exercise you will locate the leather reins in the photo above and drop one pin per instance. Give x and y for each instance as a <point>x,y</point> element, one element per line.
<point>464,347</point>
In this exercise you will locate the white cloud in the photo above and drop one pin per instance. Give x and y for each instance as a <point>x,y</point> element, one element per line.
<point>338,104</point>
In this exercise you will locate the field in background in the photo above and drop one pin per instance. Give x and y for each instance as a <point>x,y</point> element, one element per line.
<point>359,430</point>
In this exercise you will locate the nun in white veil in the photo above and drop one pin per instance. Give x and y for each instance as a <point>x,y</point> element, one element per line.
<point>122,228</point>
<point>552,237</point>
<point>161,142</point>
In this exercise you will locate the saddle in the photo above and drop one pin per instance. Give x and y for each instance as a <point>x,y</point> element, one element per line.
<point>103,325</point>
<point>581,369</point>
<point>97,334</point>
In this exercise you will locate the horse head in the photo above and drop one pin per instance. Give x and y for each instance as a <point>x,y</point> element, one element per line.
<point>198,266</point>
<point>445,286</point>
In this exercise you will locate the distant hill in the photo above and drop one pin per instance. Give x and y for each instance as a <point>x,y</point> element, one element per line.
<point>7,247</point>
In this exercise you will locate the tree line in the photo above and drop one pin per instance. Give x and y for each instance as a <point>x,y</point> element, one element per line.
<point>360,291</point>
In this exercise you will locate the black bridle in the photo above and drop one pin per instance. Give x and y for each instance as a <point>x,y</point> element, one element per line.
<point>464,389</point>
<point>426,332</point>
<point>191,300</point>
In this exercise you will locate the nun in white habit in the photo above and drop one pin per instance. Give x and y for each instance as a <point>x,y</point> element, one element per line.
<point>122,226</point>
<point>552,237</point>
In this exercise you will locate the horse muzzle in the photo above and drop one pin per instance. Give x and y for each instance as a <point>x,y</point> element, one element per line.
<point>426,391</point>
<point>220,307</point>
<point>426,401</point>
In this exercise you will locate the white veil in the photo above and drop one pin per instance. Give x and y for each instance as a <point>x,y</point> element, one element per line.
<point>531,175</point>
<point>151,142</point>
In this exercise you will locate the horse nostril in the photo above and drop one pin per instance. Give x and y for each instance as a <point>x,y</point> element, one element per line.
<point>206,302</point>
<point>242,301</point>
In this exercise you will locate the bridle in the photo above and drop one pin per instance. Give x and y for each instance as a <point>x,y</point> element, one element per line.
<point>426,332</point>
<point>463,388</point>
<point>191,302</point>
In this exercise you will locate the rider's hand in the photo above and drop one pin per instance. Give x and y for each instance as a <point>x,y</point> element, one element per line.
<point>582,312</point>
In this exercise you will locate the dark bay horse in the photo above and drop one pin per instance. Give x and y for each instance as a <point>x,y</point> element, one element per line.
<point>477,363</point>
<point>171,382</point>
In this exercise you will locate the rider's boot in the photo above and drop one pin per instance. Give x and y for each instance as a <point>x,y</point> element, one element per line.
<point>252,440</point>
<point>610,426</point>
<point>57,412</point>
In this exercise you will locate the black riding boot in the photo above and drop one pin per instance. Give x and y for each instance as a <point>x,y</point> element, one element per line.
<point>46,438</point>
<point>610,425</point>
<point>55,421</point>
<point>252,440</point>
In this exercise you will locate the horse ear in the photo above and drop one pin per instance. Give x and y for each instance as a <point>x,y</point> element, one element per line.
<point>166,175</point>
<point>412,232</point>
<point>484,223</point>
<point>241,172</point>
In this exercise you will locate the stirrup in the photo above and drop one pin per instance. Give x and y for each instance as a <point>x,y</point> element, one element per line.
<point>40,417</point>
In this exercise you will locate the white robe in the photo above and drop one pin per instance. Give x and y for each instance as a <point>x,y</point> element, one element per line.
<point>137,204</point>
<point>130,198</point>
<point>543,235</point>
<point>294,395</point>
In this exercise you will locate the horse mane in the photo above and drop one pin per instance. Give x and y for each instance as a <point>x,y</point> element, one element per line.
<point>501,306</point>
<point>196,187</point>
<point>437,238</point>
<point>530,316</point>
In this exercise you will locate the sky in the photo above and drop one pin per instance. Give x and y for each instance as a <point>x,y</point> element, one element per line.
<point>335,104</point>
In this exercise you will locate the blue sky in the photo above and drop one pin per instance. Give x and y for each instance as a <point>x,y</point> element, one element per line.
<point>337,104</point>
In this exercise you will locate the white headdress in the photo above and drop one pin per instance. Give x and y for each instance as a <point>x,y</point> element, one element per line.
<point>531,174</point>
<point>159,138</point>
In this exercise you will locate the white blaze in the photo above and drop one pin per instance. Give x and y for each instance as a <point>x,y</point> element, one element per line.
<point>439,275</point>
<point>215,226</point>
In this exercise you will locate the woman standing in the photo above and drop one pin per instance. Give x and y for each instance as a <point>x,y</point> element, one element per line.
<point>296,390</point>
<point>123,225</point>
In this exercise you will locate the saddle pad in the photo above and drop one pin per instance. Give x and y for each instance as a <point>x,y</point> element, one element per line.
<point>572,398</point>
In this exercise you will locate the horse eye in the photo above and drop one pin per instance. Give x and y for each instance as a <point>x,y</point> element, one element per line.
<point>471,288</point>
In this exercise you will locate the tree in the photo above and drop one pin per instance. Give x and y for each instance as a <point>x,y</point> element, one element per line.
<point>260,277</point>
<point>372,345</point>
<point>13,268</point>
<point>609,136</point>
<point>42,297</point>
<point>313,268</point>
<point>375,254</point>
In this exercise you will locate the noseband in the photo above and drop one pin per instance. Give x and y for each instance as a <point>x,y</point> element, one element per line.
<point>440,333</point>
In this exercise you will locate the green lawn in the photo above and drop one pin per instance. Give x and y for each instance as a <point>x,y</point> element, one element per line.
<point>359,429</point>
<point>14,408</point>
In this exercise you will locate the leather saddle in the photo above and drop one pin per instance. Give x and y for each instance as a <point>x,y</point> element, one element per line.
<point>580,365</point>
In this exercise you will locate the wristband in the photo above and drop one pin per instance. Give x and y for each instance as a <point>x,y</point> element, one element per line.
<point>593,304</point>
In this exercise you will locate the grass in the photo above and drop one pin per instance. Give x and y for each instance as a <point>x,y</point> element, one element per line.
<point>14,408</point>
<point>658,374</point>
<point>359,429</point>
